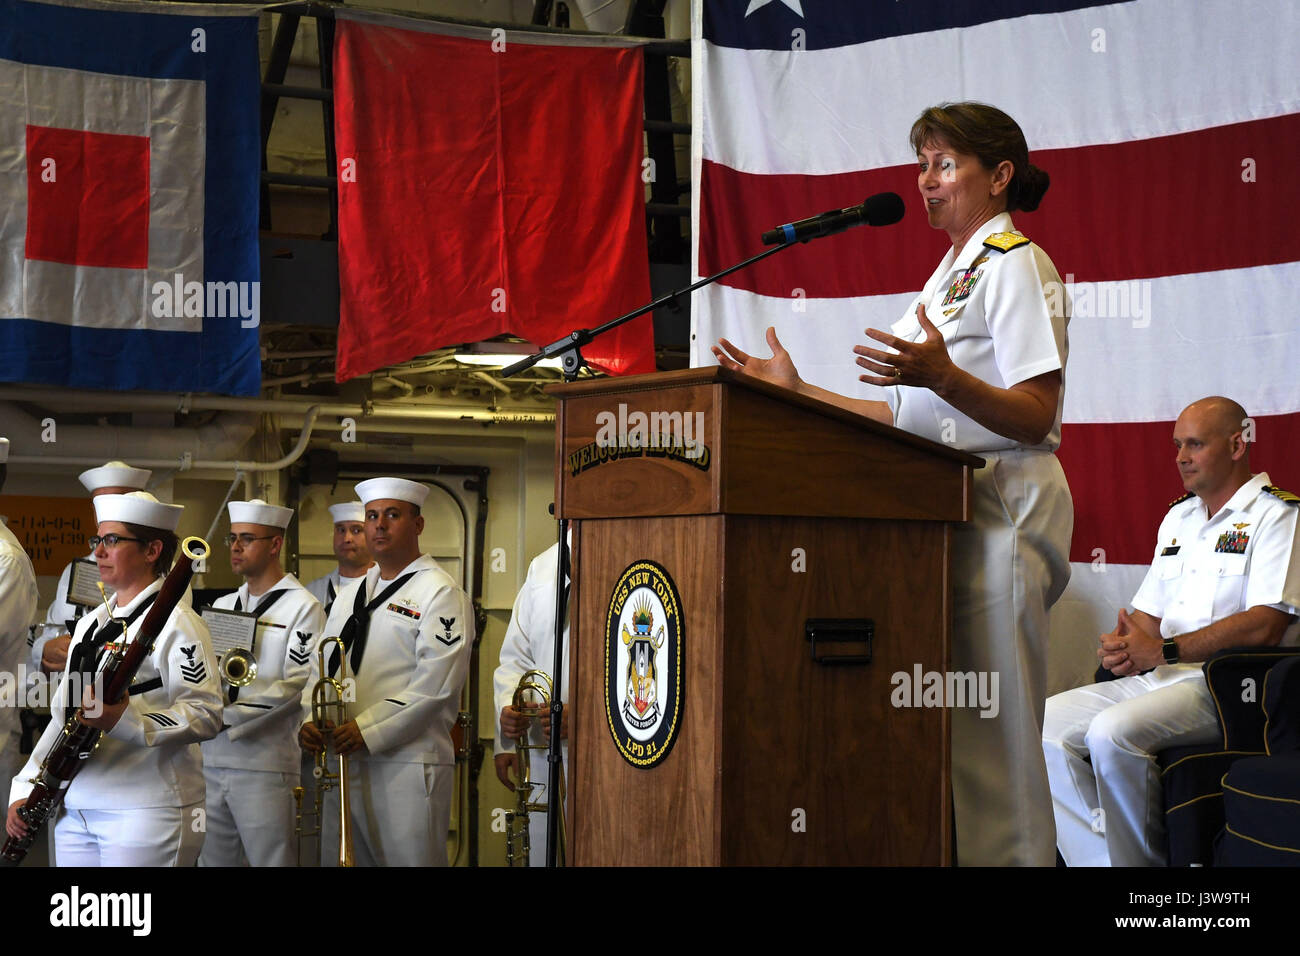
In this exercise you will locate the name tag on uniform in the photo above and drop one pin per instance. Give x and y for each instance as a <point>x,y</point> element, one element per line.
<point>1172,549</point>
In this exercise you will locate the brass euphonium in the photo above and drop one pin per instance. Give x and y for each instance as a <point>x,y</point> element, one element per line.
<point>532,698</point>
<point>329,708</point>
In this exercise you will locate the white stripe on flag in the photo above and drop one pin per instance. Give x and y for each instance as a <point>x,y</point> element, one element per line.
<point>850,108</point>
<point>1207,335</point>
<point>1140,350</point>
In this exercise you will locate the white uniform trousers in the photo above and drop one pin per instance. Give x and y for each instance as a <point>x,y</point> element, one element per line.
<point>250,818</point>
<point>1120,724</point>
<point>537,820</point>
<point>1010,564</point>
<point>146,836</point>
<point>539,772</point>
<point>400,814</point>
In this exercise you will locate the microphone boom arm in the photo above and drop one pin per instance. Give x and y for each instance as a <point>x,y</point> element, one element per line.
<point>568,349</point>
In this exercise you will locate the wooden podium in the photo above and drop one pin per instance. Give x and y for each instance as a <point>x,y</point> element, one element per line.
<point>791,511</point>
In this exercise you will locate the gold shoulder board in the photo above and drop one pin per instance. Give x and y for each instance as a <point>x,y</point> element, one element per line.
<point>1183,497</point>
<point>1006,241</point>
<point>1286,496</point>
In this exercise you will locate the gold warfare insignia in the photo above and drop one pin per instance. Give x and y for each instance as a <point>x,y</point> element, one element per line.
<point>1006,241</point>
<point>1286,496</point>
<point>948,312</point>
<point>644,665</point>
<point>962,287</point>
<point>1181,498</point>
<point>979,262</point>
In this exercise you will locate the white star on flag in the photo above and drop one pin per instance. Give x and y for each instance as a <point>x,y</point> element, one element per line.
<point>759,4</point>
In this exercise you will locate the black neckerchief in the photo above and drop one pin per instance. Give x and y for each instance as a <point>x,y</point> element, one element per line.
<point>84,658</point>
<point>263,605</point>
<point>357,628</point>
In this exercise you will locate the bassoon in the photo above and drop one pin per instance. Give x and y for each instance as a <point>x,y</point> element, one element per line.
<point>77,741</point>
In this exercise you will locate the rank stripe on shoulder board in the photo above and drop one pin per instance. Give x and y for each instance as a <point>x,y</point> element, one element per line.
<point>1281,494</point>
<point>1181,498</point>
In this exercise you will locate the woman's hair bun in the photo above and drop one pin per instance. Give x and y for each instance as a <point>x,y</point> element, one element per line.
<point>1030,186</point>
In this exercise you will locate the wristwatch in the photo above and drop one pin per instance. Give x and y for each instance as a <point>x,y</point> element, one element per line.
<point>1170,648</point>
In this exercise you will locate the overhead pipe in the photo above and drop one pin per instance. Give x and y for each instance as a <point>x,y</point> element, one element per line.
<point>187,402</point>
<point>186,461</point>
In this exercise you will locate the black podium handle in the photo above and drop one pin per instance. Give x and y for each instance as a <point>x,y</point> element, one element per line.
<point>840,640</point>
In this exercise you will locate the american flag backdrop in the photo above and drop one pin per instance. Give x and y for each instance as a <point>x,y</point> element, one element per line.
<point>1167,127</point>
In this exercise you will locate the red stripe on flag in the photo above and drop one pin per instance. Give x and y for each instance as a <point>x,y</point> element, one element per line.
<point>1166,206</point>
<point>1123,477</point>
<point>497,190</point>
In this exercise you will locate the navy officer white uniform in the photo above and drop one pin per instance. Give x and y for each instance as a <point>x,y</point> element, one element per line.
<point>978,362</point>
<point>350,550</point>
<point>529,645</point>
<point>408,628</point>
<point>1226,573</point>
<point>252,765</point>
<point>1011,562</point>
<point>137,800</point>
<point>49,650</point>
<point>18,598</point>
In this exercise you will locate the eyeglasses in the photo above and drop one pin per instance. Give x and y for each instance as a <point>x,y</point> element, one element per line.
<point>246,539</point>
<point>109,541</point>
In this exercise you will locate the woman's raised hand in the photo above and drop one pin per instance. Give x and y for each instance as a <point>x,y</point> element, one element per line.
<point>779,369</point>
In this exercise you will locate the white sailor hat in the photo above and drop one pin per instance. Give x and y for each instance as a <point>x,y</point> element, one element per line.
<point>398,489</point>
<point>138,507</point>
<point>4,451</point>
<point>258,511</point>
<point>115,474</point>
<point>348,511</point>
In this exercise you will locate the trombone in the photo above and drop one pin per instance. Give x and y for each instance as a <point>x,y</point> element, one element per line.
<point>328,707</point>
<point>532,697</point>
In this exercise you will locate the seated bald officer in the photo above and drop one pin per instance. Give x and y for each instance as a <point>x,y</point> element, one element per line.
<point>136,801</point>
<point>350,550</point>
<point>408,629</point>
<point>1226,573</point>
<point>50,644</point>
<point>252,765</point>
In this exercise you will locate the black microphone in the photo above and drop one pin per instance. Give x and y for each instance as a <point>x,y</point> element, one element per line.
<point>882,209</point>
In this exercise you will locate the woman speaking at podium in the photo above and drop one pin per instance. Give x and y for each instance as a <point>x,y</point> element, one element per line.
<point>978,361</point>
